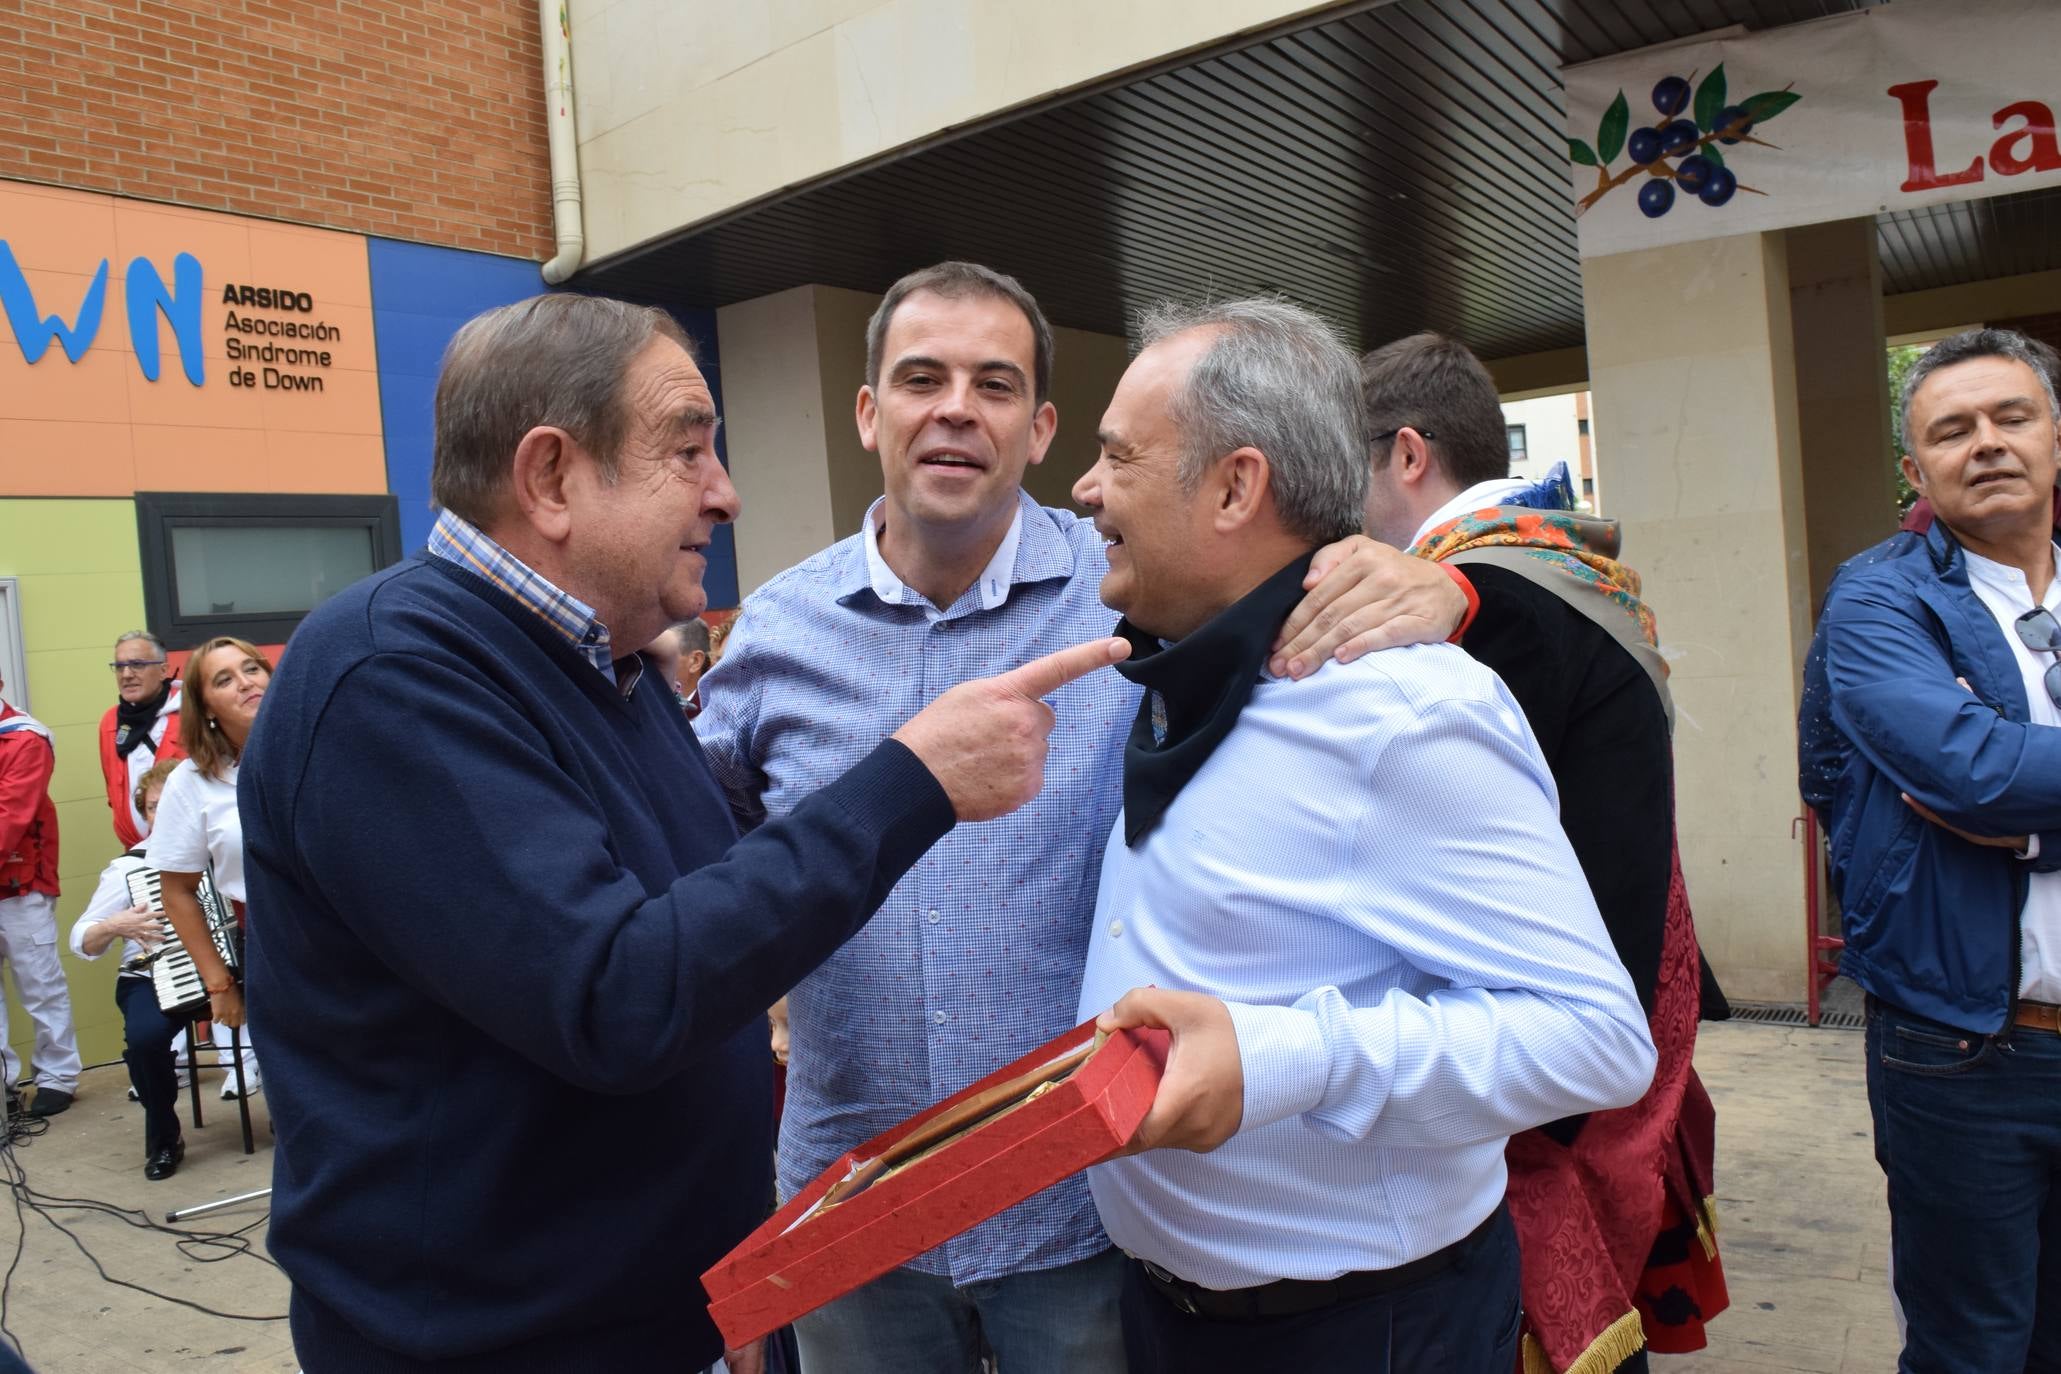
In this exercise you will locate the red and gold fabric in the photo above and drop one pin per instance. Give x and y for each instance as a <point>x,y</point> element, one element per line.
<point>1616,1225</point>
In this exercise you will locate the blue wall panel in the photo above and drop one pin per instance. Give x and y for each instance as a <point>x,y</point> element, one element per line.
<point>420,297</point>
<point>721,578</point>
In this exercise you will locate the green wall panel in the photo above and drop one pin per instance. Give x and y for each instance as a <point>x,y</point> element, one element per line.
<point>75,611</point>
<point>81,581</point>
<point>56,537</point>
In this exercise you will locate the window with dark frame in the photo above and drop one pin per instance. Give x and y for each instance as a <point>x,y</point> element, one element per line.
<point>253,564</point>
<point>1518,451</point>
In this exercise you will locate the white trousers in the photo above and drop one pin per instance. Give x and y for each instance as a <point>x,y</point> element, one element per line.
<point>28,945</point>
<point>226,1056</point>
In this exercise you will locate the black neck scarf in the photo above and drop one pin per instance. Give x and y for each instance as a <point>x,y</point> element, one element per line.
<point>133,722</point>
<point>1194,690</point>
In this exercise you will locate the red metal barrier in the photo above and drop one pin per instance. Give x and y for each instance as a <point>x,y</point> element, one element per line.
<point>1821,951</point>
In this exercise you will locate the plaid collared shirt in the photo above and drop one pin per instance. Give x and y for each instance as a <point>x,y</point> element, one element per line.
<point>457,540</point>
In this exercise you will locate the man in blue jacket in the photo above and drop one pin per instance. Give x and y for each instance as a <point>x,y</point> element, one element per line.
<point>1943,675</point>
<point>474,842</point>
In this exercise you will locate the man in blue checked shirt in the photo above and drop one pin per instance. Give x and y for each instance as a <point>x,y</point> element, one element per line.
<point>976,957</point>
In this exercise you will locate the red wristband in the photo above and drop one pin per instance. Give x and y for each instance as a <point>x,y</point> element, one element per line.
<point>1473,601</point>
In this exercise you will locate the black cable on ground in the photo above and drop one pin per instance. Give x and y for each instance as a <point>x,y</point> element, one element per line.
<point>194,1245</point>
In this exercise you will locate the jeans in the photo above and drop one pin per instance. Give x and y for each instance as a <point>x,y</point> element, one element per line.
<point>1048,1321</point>
<point>1461,1320</point>
<point>1968,1133</point>
<point>147,1049</point>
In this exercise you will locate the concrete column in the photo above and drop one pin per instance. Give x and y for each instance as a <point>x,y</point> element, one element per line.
<point>1835,303</point>
<point>792,364</point>
<point>1692,369</point>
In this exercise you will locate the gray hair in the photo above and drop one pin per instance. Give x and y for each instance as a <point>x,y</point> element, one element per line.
<point>693,636</point>
<point>556,360</point>
<point>157,645</point>
<point>1966,347</point>
<point>1277,379</point>
<point>956,281</point>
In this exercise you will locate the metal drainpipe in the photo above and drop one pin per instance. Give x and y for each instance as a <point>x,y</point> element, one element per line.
<point>565,149</point>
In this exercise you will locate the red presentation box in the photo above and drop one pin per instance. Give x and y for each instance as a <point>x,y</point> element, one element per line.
<point>1072,1103</point>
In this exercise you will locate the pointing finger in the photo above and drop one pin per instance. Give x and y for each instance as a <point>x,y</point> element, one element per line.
<point>1043,676</point>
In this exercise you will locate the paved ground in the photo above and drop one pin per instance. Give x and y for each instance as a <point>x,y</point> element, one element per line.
<point>71,1322</point>
<point>1803,1227</point>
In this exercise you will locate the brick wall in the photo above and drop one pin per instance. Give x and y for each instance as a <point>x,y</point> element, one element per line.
<point>416,119</point>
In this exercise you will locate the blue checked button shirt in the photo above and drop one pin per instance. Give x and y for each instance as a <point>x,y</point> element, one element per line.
<point>976,956</point>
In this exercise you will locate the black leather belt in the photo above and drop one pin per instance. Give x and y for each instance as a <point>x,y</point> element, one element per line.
<point>1288,1297</point>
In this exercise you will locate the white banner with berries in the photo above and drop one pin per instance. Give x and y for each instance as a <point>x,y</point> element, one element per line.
<point>1891,108</point>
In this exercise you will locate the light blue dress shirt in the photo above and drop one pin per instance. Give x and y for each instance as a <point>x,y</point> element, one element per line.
<point>1370,870</point>
<point>975,959</point>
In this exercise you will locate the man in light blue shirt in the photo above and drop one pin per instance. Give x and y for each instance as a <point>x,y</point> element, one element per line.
<point>1348,896</point>
<point>976,957</point>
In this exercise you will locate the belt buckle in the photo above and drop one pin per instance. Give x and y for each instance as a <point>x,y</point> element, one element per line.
<point>1177,1290</point>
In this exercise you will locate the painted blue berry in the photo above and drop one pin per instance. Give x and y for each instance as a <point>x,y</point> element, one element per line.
<point>1678,137</point>
<point>1671,96</point>
<point>1656,198</point>
<point>1733,124</point>
<point>1720,188</point>
<point>1644,145</point>
<point>1692,174</point>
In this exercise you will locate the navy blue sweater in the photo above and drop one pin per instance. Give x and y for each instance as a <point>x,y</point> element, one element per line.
<point>509,964</point>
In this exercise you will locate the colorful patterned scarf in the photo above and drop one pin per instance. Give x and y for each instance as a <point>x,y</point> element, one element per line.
<point>1583,547</point>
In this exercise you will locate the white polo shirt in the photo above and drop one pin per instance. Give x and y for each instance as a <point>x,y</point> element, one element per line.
<point>197,824</point>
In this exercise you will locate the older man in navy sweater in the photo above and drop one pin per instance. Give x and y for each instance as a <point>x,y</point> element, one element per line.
<point>476,847</point>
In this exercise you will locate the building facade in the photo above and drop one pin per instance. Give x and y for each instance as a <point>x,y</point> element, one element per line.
<point>234,241</point>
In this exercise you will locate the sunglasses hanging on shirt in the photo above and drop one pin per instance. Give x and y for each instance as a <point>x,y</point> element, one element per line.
<point>2039,631</point>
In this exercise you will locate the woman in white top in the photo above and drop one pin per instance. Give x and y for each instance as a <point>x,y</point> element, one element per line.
<point>197,825</point>
<point>112,916</point>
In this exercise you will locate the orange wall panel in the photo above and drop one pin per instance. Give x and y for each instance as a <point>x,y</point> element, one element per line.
<point>100,427</point>
<point>94,388</point>
<point>67,457</point>
<point>167,456</point>
<point>330,265</point>
<point>221,242</point>
<point>55,230</point>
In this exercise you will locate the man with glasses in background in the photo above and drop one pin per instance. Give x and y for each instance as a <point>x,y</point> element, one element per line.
<point>139,729</point>
<point>1945,829</point>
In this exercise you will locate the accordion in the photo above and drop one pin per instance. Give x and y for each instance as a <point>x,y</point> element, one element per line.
<point>180,992</point>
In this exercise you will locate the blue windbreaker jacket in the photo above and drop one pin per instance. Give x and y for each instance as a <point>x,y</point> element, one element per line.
<point>1932,921</point>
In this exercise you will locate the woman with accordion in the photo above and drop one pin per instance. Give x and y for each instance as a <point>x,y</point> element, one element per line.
<point>147,1033</point>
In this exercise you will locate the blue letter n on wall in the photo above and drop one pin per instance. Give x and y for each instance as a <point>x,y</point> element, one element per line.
<point>33,333</point>
<point>146,295</point>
